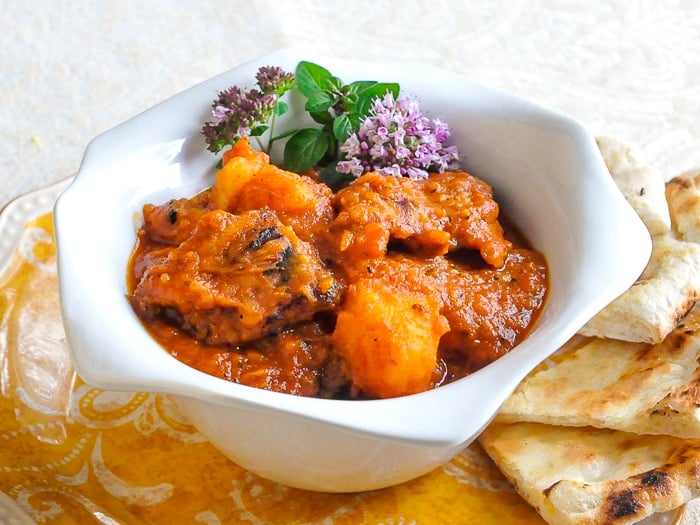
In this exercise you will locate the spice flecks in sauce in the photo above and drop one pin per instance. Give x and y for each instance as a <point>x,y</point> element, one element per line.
<point>390,286</point>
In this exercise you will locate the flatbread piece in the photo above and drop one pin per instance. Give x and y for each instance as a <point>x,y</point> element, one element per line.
<point>635,387</point>
<point>670,284</point>
<point>640,183</point>
<point>663,294</point>
<point>683,196</point>
<point>586,476</point>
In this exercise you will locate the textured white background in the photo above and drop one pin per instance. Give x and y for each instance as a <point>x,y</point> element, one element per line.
<point>70,70</point>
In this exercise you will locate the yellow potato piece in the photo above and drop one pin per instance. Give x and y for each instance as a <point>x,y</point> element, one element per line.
<point>389,338</point>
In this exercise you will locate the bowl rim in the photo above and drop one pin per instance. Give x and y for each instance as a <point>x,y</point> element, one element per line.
<point>437,427</point>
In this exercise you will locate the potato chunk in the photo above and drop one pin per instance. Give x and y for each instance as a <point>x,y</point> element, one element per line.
<point>247,181</point>
<point>389,337</point>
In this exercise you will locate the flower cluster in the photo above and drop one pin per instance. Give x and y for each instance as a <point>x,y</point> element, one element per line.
<point>240,113</point>
<point>396,139</point>
<point>273,79</point>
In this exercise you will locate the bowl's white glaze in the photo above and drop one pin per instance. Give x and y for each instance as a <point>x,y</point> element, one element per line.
<point>547,173</point>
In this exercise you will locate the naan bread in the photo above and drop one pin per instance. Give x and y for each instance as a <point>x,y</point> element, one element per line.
<point>670,284</point>
<point>608,430</point>
<point>587,476</point>
<point>663,294</point>
<point>683,195</point>
<point>688,514</point>
<point>635,387</point>
<point>641,184</point>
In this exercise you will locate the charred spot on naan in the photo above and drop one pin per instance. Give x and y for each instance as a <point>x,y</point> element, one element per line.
<point>585,475</point>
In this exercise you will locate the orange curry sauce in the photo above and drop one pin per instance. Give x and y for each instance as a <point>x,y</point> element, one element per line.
<point>388,287</point>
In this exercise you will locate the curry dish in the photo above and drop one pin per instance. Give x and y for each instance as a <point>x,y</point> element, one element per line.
<point>390,286</point>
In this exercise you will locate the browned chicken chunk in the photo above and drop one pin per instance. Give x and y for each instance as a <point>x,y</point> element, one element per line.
<point>237,278</point>
<point>388,287</point>
<point>431,217</point>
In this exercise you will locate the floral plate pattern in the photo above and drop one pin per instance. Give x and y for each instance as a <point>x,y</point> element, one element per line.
<point>75,454</point>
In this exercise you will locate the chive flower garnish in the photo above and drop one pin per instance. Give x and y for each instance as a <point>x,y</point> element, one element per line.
<point>397,140</point>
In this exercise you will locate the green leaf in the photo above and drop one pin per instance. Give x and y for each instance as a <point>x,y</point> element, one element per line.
<point>319,101</point>
<point>281,108</point>
<point>334,84</point>
<point>355,119</point>
<point>305,149</point>
<point>322,117</point>
<point>330,176</point>
<point>381,88</point>
<point>372,92</point>
<point>258,130</point>
<point>311,78</point>
<point>342,127</point>
<point>360,85</point>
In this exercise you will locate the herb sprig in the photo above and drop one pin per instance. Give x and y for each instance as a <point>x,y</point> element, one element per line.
<point>338,107</point>
<point>364,125</point>
<point>238,113</point>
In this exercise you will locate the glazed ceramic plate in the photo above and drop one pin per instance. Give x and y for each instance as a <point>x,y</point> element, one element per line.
<point>133,457</point>
<point>15,214</point>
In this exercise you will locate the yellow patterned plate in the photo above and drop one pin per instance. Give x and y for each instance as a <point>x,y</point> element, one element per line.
<point>74,454</point>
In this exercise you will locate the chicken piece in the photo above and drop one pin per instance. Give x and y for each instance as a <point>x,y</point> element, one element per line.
<point>470,214</point>
<point>375,209</point>
<point>173,222</point>
<point>236,279</point>
<point>430,217</point>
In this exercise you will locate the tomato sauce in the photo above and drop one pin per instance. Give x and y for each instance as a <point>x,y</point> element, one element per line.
<point>388,287</point>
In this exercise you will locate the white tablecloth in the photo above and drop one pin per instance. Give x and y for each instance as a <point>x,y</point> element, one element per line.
<point>70,70</point>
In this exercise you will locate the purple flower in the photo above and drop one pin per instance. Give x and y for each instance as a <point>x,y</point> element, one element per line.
<point>272,79</point>
<point>219,113</point>
<point>397,140</point>
<point>237,112</point>
<point>353,166</point>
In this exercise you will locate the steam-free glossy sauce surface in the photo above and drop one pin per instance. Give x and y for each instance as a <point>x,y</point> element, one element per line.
<point>388,287</point>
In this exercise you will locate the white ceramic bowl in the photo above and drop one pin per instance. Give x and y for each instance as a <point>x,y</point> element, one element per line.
<point>547,173</point>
